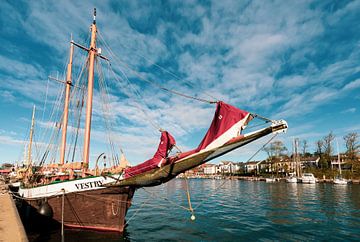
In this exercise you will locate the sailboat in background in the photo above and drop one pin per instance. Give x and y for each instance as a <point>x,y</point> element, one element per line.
<point>339,180</point>
<point>81,198</point>
<point>24,170</point>
<point>293,178</point>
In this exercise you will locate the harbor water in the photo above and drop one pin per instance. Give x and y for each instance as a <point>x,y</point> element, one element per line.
<point>233,210</point>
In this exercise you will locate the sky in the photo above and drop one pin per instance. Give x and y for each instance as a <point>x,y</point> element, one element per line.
<point>296,60</point>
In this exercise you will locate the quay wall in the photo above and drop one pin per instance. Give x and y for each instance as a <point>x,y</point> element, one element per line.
<point>11,227</point>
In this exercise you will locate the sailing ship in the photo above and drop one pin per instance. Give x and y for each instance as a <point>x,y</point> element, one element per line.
<point>74,195</point>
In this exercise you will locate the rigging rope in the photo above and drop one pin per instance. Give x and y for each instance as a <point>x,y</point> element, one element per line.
<point>152,122</point>
<point>153,83</point>
<point>106,111</point>
<point>157,65</point>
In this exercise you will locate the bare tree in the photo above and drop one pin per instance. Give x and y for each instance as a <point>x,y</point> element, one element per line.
<point>327,147</point>
<point>327,144</point>
<point>319,147</point>
<point>304,146</point>
<point>319,151</point>
<point>275,150</point>
<point>278,148</point>
<point>352,149</point>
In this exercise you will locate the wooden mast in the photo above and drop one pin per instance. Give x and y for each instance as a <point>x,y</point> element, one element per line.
<point>92,53</point>
<point>66,105</point>
<point>31,137</point>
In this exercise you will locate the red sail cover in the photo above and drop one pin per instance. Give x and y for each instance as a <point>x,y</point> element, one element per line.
<point>226,116</point>
<point>226,124</point>
<point>166,143</point>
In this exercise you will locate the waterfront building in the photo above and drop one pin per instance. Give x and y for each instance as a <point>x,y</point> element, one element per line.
<point>251,167</point>
<point>229,167</point>
<point>210,169</point>
<point>312,161</point>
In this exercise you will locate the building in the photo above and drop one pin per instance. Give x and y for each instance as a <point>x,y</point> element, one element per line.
<point>210,169</point>
<point>312,161</point>
<point>228,167</point>
<point>251,167</point>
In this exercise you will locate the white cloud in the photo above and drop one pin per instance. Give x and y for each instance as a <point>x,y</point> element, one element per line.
<point>263,56</point>
<point>349,110</point>
<point>352,85</point>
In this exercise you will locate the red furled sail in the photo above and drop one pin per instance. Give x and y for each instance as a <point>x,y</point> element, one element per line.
<point>159,159</point>
<point>227,123</point>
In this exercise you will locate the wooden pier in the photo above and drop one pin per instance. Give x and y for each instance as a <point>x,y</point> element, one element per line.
<point>11,227</point>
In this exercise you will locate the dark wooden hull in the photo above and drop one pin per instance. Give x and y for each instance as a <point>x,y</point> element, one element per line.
<point>101,209</point>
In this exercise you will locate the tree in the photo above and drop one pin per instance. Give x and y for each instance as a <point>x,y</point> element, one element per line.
<point>319,151</point>
<point>327,147</point>
<point>352,149</point>
<point>274,151</point>
<point>278,148</point>
<point>304,146</point>
<point>319,145</point>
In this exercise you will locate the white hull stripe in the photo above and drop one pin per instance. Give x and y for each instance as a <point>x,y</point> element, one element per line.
<point>57,189</point>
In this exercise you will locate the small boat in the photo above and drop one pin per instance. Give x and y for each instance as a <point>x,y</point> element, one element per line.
<point>270,180</point>
<point>291,179</point>
<point>340,181</point>
<point>308,178</point>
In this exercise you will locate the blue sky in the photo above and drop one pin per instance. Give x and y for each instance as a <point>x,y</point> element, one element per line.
<point>297,61</point>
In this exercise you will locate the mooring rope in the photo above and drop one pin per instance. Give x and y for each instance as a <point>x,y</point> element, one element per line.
<point>137,211</point>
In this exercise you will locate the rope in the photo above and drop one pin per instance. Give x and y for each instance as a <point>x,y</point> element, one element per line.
<point>261,117</point>
<point>184,95</point>
<point>166,199</point>
<point>155,125</point>
<point>106,111</point>
<point>189,200</point>
<point>155,84</point>
<point>137,211</point>
<point>262,147</point>
<point>45,102</point>
<point>157,65</point>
